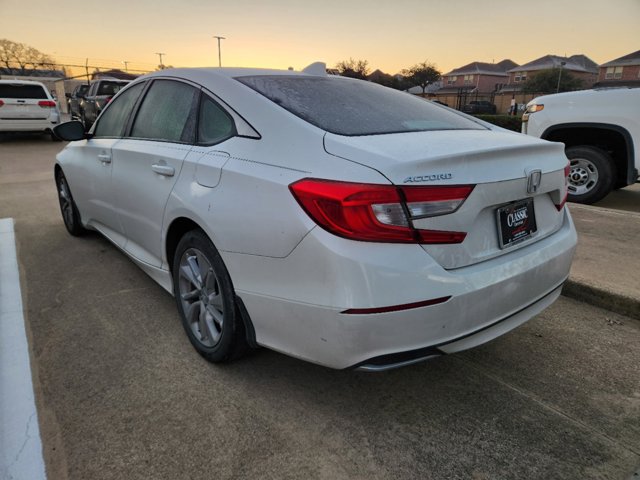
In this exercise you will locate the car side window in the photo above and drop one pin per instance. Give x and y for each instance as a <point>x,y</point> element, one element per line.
<point>114,119</point>
<point>167,113</point>
<point>214,124</point>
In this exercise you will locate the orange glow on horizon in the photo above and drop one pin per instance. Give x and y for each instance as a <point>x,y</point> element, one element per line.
<point>287,33</point>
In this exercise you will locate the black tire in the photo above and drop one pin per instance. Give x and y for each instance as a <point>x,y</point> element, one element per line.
<point>207,303</point>
<point>592,174</point>
<point>84,121</point>
<point>68,207</point>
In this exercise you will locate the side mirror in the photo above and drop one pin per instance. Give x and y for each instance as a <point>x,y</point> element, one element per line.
<point>70,131</point>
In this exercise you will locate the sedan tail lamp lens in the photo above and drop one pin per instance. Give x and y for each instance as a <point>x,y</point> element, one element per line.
<point>355,210</point>
<point>378,213</point>
<point>565,195</point>
<point>1,103</point>
<point>47,103</point>
<point>437,200</point>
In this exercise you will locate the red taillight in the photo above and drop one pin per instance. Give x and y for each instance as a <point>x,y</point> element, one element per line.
<point>1,103</point>
<point>565,195</point>
<point>47,103</point>
<point>378,213</point>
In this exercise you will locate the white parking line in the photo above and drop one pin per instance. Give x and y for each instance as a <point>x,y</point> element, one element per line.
<point>20,444</point>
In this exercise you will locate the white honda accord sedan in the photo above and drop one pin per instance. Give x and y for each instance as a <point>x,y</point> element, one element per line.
<point>331,219</point>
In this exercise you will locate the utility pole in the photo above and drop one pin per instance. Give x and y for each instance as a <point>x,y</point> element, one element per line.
<point>160,55</point>
<point>126,65</point>
<point>562,64</point>
<point>219,56</point>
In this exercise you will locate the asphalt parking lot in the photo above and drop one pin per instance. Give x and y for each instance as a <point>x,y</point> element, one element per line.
<point>122,394</point>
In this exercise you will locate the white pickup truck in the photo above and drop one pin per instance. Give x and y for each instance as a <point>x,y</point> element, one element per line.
<point>601,132</point>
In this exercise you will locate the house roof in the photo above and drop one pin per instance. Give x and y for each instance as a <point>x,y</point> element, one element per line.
<point>630,59</point>
<point>378,75</point>
<point>482,68</point>
<point>576,63</point>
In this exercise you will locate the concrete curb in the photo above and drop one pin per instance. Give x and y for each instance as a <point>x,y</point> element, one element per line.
<point>599,297</point>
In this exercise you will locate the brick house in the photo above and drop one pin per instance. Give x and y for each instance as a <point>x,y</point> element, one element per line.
<point>475,81</point>
<point>483,77</point>
<point>580,66</point>
<point>623,71</point>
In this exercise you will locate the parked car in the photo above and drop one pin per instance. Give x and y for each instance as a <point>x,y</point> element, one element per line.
<point>331,219</point>
<point>27,106</point>
<point>99,94</point>
<point>479,106</point>
<point>601,133</point>
<point>74,100</point>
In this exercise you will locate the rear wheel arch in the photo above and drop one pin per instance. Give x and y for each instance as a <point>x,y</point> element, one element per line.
<point>613,139</point>
<point>178,228</point>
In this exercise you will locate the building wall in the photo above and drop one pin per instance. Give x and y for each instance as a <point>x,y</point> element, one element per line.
<point>629,72</point>
<point>588,78</point>
<point>484,83</point>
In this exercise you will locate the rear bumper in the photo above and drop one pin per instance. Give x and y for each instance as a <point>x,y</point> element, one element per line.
<point>27,125</point>
<point>483,335</point>
<point>284,296</point>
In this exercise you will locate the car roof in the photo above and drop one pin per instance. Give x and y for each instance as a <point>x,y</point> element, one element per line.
<point>21,82</point>
<point>224,72</point>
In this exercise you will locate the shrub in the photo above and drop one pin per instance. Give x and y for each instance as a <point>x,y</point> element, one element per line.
<point>505,121</point>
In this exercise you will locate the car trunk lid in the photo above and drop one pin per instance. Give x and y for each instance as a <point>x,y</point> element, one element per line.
<point>498,163</point>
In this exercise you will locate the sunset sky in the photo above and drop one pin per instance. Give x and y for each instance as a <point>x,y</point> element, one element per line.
<point>391,35</point>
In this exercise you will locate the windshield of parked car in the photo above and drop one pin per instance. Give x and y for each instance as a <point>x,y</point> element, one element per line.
<point>351,107</point>
<point>110,88</point>
<point>16,90</point>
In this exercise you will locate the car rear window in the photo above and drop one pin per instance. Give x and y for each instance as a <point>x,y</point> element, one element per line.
<point>351,107</point>
<point>16,90</point>
<point>110,88</point>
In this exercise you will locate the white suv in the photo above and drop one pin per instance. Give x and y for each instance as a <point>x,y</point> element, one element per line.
<point>601,133</point>
<point>27,106</point>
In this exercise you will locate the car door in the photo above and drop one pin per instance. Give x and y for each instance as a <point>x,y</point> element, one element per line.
<point>147,163</point>
<point>92,177</point>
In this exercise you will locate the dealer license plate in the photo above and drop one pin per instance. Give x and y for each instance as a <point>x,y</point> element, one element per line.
<point>516,222</point>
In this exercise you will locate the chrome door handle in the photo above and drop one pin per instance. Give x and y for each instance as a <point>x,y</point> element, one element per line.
<point>165,170</point>
<point>104,158</point>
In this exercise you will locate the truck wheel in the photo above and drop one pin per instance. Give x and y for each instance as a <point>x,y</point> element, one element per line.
<point>592,174</point>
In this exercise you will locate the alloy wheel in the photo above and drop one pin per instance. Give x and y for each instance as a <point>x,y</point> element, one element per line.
<point>201,297</point>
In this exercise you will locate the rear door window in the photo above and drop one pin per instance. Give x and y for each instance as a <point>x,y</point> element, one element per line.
<point>110,88</point>
<point>113,121</point>
<point>16,90</point>
<point>167,113</point>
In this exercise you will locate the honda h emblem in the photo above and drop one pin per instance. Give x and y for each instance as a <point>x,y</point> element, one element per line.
<point>533,180</point>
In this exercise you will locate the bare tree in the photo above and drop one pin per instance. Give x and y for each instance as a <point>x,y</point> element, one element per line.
<point>22,58</point>
<point>354,69</point>
<point>422,75</point>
